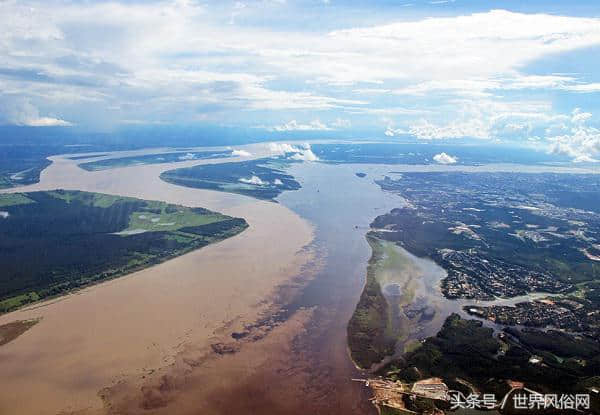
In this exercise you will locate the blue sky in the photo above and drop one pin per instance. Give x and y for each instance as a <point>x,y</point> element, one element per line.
<point>497,71</point>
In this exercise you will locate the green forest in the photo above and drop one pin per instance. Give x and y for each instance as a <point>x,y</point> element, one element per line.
<point>56,241</point>
<point>465,350</point>
<point>262,178</point>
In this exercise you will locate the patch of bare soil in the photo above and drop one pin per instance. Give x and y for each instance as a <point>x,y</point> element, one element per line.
<point>10,331</point>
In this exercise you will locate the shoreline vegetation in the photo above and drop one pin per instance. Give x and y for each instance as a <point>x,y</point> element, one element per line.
<point>383,318</point>
<point>369,339</point>
<point>55,242</point>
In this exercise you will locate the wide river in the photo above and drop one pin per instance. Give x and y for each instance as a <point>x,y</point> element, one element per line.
<point>147,342</point>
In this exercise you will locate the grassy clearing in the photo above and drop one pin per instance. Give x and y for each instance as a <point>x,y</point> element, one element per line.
<point>154,217</point>
<point>180,237</point>
<point>13,199</point>
<point>17,301</point>
<point>379,321</point>
<point>169,219</point>
<point>392,267</point>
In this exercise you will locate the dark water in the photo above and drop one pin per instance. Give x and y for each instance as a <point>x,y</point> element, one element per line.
<point>341,206</point>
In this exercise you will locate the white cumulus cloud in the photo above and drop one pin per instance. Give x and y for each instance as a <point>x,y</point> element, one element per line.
<point>472,128</point>
<point>280,149</point>
<point>306,155</point>
<point>23,113</point>
<point>580,117</point>
<point>444,158</point>
<point>301,152</point>
<point>484,118</point>
<point>391,132</point>
<point>294,125</point>
<point>45,122</point>
<point>241,153</point>
<point>255,180</point>
<point>577,139</point>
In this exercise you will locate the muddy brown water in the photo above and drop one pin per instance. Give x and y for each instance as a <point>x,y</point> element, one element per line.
<point>124,333</point>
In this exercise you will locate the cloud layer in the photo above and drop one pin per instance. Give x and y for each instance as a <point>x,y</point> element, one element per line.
<point>23,113</point>
<point>241,153</point>
<point>444,158</point>
<point>294,152</point>
<point>181,61</point>
<point>575,138</point>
